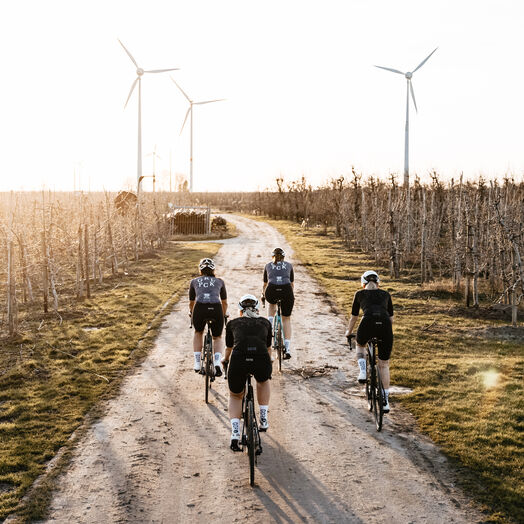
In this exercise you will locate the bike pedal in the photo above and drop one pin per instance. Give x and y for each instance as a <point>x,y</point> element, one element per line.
<point>212,378</point>
<point>258,451</point>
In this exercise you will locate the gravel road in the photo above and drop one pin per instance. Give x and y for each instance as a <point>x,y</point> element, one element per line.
<point>160,454</point>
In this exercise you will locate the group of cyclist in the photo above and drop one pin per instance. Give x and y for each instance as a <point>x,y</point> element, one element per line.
<point>248,337</point>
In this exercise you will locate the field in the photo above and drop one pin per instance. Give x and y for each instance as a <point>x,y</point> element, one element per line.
<point>466,367</point>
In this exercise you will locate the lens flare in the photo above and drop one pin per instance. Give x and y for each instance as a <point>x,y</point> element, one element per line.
<point>490,378</point>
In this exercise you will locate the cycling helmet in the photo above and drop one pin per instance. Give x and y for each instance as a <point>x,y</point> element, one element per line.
<point>369,276</point>
<point>248,302</point>
<point>206,262</point>
<point>278,251</point>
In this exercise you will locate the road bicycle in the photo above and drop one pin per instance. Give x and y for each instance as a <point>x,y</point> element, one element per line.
<point>375,394</point>
<point>250,440</point>
<point>207,366</point>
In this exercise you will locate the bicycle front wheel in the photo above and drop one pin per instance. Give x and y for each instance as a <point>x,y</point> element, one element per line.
<point>279,346</point>
<point>208,363</point>
<point>369,383</point>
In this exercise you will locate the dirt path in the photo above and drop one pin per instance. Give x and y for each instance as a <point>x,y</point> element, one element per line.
<point>161,455</point>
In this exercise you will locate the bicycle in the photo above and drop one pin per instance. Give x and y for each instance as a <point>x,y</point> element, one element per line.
<point>250,432</point>
<point>207,365</point>
<point>374,389</point>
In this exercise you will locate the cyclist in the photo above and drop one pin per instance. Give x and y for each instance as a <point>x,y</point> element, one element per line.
<point>248,347</point>
<point>278,284</point>
<point>207,301</point>
<point>377,322</point>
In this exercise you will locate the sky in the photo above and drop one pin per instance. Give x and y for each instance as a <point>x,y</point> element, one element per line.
<point>302,95</point>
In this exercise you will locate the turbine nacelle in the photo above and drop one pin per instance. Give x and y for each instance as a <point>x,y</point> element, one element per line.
<point>139,71</point>
<point>408,75</point>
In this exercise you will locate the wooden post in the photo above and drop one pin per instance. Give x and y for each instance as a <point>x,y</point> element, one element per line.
<point>86,255</point>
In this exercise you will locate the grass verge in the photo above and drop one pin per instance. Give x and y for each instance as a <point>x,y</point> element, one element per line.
<point>466,368</point>
<point>53,374</point>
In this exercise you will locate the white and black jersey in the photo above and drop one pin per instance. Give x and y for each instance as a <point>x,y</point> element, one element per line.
<point>207,290</point>
<point>279,273</point>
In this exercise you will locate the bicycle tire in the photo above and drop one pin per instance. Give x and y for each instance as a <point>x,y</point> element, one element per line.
<point>379,395</point>
<point>369,382</point>
<point>279,344</point>
<point>207,371</point>
<point>251,440</point>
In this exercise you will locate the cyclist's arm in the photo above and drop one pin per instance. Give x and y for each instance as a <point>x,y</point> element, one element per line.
<point>391,318</point>
<point>224,307</point>
<point>351,325</point>
<point>227,354</point>
<point>191,306</point>
<point>265,283</point>
<point>292,279</point>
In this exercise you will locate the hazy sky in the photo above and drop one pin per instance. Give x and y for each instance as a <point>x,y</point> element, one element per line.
<point>302,94</point>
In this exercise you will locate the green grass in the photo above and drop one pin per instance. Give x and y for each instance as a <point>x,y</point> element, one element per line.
<point>466,371</point>
<point>51,377</point>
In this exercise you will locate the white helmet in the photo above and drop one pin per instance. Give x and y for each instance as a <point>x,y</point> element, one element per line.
<point>248,302</point>
<point>369,276</point>
<point>206,262</point>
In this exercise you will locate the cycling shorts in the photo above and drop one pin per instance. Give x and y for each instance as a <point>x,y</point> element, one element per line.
<point>204,312</point>
<point>378,326</point>
<point>283,292</point>
<point>241,364</point>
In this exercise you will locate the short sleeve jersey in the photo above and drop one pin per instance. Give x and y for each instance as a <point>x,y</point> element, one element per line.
<point>280,273</point>
<point>249,335</point>
<point>207,290</point>
<point>372,302</point>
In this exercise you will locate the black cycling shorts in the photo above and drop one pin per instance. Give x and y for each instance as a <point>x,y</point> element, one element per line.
<point>380,327</point>
<point>241,364</point>
<point>284,293</point>
<point>204,312</point>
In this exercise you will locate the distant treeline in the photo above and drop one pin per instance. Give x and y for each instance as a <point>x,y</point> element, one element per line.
<point>470,232</point>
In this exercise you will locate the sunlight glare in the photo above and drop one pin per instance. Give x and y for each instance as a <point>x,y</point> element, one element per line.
<point>490,378</point>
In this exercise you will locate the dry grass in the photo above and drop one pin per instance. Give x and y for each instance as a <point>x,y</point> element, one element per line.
<point>466,370</point>
<point>53,374</point>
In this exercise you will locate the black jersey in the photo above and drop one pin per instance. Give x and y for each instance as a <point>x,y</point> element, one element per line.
<point>207,290</point>
<point>372,302</point>
<point>249,335</point>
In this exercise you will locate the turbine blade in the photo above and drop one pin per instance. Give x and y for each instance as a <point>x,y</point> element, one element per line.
<point>208,101</point>
<point>425,60</point>
<point>187,114</point>
<point>131,91</point>
<point>161,70</point>
<point>413,95</point>
<point>129,54</point>
<point>392,70</point>
<point>188,99</point>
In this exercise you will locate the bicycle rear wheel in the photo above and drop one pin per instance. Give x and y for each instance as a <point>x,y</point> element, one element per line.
<point>369,382</point>
<point>208,358</point>
<point>279,345</point>
<point>378,396</point>
<point>251,440</point>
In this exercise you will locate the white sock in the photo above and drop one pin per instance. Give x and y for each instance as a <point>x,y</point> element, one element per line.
<point>386,391</point>
<point>362,364</point>
<point>286,343</point>
<point>197,359</point>
<point>218,357</point>
<point>235,426</point>
<point>263,412</point>
<point>270,320</point>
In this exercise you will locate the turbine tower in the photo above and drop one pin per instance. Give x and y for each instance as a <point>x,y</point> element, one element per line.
<point>409,87</point>
<point>190,112</point>
<point>138,79</point>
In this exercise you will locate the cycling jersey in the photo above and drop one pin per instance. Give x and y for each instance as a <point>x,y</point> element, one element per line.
<point>249,338</point>
<point>280,273</point>
<point>207,290</point>
<point>373,302</point>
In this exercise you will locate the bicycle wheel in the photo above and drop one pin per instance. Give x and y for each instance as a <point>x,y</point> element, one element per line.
<point>251,440</point>
<point>369,381</point>
<point>279,345</point>
<point>207,370</point>
<point>379,402</point>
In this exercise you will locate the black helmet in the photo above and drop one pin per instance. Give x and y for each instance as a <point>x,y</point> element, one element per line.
<point>206,262</point>
<point>278,252</point>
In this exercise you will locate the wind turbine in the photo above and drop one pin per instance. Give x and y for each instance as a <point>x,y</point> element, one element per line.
<point>138,79</point>
<point>190,111</point>
<point>408,76</point>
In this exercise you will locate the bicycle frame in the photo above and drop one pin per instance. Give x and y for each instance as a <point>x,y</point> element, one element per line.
<point>207,363</point>
<point>374,388</point>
